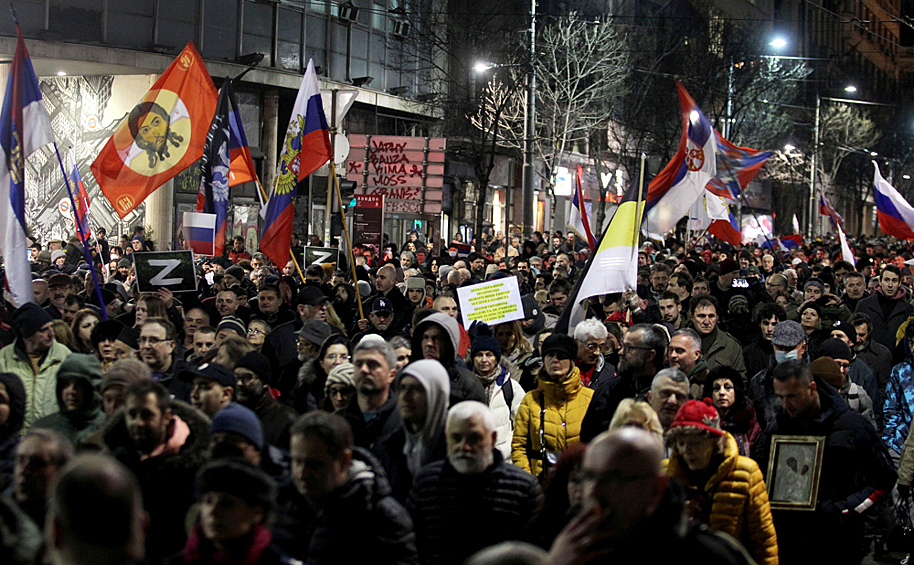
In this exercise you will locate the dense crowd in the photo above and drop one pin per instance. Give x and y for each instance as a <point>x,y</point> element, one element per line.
<point>337,413</point>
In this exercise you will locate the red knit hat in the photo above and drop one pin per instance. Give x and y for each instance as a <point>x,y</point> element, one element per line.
<point>699,414</point>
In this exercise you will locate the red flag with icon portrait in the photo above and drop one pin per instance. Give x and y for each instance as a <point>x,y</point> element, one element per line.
<point>161,136</point>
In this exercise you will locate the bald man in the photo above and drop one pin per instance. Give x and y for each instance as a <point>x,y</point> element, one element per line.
<point>630,506</point>
<point>95,514</point>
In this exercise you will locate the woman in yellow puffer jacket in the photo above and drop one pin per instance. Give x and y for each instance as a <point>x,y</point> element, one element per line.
<point>549,418</point>
<point>726,490</point>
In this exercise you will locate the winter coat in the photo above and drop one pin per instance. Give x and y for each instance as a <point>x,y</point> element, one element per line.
<point>863,376</point>
<point>743,425</point>
<point>277,419</point>
<point>456,515</point>
<point>360,522</point>
<point>605,401</point>
<point>367,434</point>
<point>41,388</point>
<point>758,356</point>
<point>77,424</point>
<point>9,432</point>
<point>885,325</point>
<point>856,470</point>
<point>906,462</point>
<point>503,413</point>
<point>166,480</point>
<point>724,350</point>
<point>464,384</point>
<point>858,400</point>
<point>878,358</point>
<point>737,501</point>
<point>259,550</point>
<point>697,377</point>
<point>565,406</point>
<point>899,401</point>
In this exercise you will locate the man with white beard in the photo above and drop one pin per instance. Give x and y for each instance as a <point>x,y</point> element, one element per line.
<point>474,498</point>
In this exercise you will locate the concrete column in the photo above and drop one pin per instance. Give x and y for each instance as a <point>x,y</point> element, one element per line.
<point>270,137</point>
<point>160,215</point>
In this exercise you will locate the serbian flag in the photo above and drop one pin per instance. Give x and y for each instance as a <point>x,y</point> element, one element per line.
<point>896,216</point>
<point>161,136</point>
<point>711,213</point>
<point>81,213</point>
<point>736,167</point>
<point>24,127</point>
<point>579,222</point>
<point>792,241</point>
<point>226,151</point>
<point>305,149</point>
<point>826,209</point>
<point>614,266</point>
<point>199,232</point>
<point>673,191</point>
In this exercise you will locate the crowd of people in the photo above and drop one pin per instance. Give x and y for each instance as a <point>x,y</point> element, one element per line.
<point>337,413</point>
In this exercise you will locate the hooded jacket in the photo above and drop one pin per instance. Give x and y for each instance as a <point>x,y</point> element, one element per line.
<point>40,388</point>
<point>565,405</point>
<point>404,453</point>
<point>360,522</point>
<point>166,480</point>
<point>503,412</point>
<point>9,432</point>
<point>855,466</point>
<point>738,501</point>
<point>464,385</point>
<point>77,424</point>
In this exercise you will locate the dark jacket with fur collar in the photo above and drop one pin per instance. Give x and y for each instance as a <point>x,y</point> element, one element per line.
<point>167,481</point>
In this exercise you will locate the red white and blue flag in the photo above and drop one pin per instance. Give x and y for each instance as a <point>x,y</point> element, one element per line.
<point>736,167</point>
<point>24,127</point>
<point>712,213</point>
<point>81,213</point>
<point>826,209</point>
<point>896,216</point>
<point>673,191</point>
<point>199,232</point>
<point>579,220</point>
<point>306,148</point>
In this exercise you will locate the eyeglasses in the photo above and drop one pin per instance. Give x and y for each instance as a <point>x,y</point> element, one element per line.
<point>151,340</point>
<point>593,346</point>
<point>254,331</point>
<point>334,357</point>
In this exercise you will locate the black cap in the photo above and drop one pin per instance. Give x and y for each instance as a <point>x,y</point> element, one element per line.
<point>381,304</point>
<point>210,371</point>
<point>311,295</point>
<point>257,363</point>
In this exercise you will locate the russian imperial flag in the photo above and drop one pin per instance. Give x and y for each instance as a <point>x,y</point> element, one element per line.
<point>306,148</point>
<point>199,232</point>
<point>681,182</point>
<point>24,127</point>
<point>736,167</point>
<point>896,216</point>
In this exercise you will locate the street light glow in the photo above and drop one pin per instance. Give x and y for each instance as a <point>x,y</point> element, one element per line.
<point>874,154</point>
<point>693,116</point>
<point>778,43</point>
<point>61,73</point>
<point>906,177</point>
<point>850,88</point>
<point>789,147</point>
<point>482,67</point>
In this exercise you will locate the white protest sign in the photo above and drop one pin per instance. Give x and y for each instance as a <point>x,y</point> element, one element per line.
<point>492,302</point>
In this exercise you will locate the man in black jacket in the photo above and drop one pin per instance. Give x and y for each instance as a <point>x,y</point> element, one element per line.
<point>438,337</point>
<point>856,469</point>
<point>887,307</point>
<point>357,520</point>
<point>252,372</point>
<point>373,414</point>
<point>472,499</point>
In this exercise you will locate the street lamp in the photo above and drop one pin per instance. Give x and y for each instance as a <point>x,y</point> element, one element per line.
<point>481,67</point>
<point>778,43</point>
<point>850,88</point>
<point>789,147</point>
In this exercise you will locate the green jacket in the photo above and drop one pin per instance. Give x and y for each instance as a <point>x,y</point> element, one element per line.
<point>41,388</point>
<point>724,350</point>
<point>697,377</point>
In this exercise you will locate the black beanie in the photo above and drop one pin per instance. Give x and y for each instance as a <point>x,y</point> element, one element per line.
<point>562,346</point>
<point>485,341</point>
<point>836,349</point>
<point>238,478</point>
<point>29,318</point>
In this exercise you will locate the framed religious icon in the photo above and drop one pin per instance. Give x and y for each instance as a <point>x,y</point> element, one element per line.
<point>794,470</point>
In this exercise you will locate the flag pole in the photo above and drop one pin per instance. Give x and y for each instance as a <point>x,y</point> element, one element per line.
<point>79,230</point>
<point>291,254</point>
<point>355,277</point>
<point>639,207</point>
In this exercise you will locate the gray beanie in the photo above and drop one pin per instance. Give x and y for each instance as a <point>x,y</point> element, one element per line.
<point>788,334</point>
<point>343,374</point>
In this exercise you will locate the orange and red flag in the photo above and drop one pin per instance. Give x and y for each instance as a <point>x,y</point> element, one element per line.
<point>163,134</point>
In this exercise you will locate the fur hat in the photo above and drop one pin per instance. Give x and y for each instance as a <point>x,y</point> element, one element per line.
<point>699,414</point>
<point>562,346</point>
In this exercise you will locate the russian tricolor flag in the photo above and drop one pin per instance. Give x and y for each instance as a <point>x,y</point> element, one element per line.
<point>306,148</point>
<point>673,191</point>
<point>199,233</point>
<point>826,209</point>
<point>896,216</point>
<point>24,127</point>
